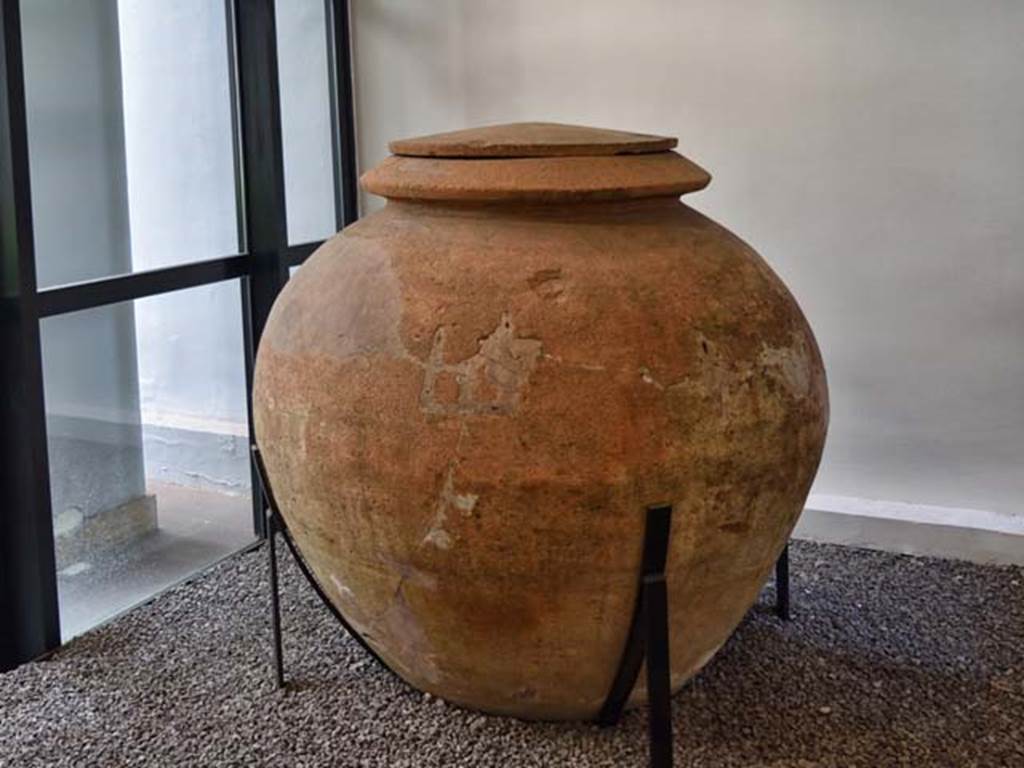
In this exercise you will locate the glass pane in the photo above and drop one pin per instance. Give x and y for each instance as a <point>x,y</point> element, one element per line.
<point>148,445</point>
<point>306,119</point>
<point>130,135</point>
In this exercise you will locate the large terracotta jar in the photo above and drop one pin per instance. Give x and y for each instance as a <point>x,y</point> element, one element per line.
<point>467,399</point>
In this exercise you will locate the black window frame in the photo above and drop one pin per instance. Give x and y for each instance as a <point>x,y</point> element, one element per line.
<point>29,611</point>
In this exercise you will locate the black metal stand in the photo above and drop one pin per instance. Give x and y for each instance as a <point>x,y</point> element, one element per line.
<point>275,525</point>
<point>648,636</point>
<point>275,601</point>
<point>648,632</point>
<point>782,584</point>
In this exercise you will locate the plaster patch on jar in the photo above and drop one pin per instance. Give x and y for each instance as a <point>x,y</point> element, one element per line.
<point>343,590</point>
<point>438,537</point>
<point>591,367</point>
<point>447,500</point>
<point>464,502</point>
<point>647,378</point>
<point>789,365</point>
<point>489,382</point>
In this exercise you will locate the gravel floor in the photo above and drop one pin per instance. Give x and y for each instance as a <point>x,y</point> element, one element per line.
<point>889,660</point>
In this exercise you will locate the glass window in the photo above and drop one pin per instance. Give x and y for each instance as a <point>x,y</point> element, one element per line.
<point>306,120</point>
<point>148,446</point>
<point>131,144</point>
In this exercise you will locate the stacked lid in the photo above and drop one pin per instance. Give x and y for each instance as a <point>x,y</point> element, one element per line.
<point>534,162</point>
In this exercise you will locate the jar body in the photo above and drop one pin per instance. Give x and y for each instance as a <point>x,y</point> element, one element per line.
<point>465,411</point>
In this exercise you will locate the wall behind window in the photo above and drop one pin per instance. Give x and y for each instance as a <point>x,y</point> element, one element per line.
<point>870,151</point>
<point>181,200</point>
<point>182,204</point>
<point>181,192</point>
<point>80,222</point>
<point>305,119</point>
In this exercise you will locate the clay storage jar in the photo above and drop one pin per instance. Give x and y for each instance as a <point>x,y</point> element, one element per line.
<point>467,400</point>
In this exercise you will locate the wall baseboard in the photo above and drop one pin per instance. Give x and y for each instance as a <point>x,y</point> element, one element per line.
<point>197,455</point>
<point>974,535</point>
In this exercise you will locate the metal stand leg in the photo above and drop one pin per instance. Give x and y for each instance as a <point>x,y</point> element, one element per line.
<point>275,602</point>
<point>275,592</point>
<point>275,525</point>
<point>648,636</point>
<point>782,585</point>
<point>659,683</point>
<point>648,632</point>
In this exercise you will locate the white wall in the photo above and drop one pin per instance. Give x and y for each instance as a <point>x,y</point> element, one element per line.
<point>871,151</point>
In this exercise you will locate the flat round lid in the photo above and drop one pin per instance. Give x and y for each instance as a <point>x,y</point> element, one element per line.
<point>531,140</point>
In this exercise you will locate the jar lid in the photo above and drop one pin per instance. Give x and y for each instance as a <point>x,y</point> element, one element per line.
<point>534,162</point>
<point>531,140</point>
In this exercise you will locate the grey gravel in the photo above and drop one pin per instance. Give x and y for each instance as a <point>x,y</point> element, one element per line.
<point>889,661</point>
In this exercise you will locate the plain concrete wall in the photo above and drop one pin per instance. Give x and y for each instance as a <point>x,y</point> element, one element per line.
<point>872,152</point>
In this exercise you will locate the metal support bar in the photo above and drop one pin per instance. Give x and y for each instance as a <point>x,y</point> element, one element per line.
<point>782,585</point>
<point>275,519</point>
<point>272,527</point>
<point>275,599</point>
<point>262,165</point>
<point>648,636</point>
<point>136,285</point>
<point>629,670</point>
<point>29,625</point>
<point>343,124</point>
<point>659,683</point>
